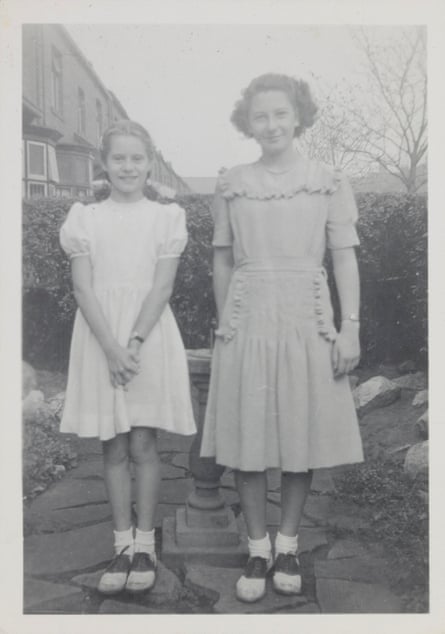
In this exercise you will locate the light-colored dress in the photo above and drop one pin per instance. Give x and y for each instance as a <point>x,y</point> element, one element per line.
<point>273,399</point>
<point>124,242</point>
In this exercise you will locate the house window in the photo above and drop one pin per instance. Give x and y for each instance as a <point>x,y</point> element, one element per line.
<point>52,165</point>
<point>99,120</point>
<point>56,81</point>
<point>36,160</point>
<point>81,112</point>
<point>36,190</point>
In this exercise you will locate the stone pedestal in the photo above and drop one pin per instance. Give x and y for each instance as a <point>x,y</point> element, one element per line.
<point>205,529</point>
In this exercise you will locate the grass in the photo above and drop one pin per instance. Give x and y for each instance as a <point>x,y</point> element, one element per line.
<point>396,512</point>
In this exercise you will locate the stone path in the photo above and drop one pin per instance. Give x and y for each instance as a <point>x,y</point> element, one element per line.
<point>68,543</point>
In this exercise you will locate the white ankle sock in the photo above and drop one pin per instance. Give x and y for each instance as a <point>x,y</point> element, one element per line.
<point>144,541</point>
<point>124,539</point>
<point>260,547</point>
<point>285,544</point>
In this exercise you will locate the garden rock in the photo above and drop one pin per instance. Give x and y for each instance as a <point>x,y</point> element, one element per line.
<point>416,381</point>
<point>422,426</point>
<point>416,460</point>
<point>376,392</point>
<point>59,470</point>
<point>421,398</point>
<point>29,379</point>
<point>388,370</point>
<point>166,590</point>
<point>406,366</point>
<point>32,404</point>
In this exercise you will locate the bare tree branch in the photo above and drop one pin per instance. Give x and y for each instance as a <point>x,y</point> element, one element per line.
<point>395,119</point>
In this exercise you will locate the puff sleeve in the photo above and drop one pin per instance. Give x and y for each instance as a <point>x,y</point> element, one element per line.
<point>222,231</point>
<point>75,233</point>
<point>175,234</point>
<point>342,216</point>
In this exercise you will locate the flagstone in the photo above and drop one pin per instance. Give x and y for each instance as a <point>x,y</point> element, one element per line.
<point>367,569</point>
<point>223,581</point>
<point>80,548</point>
<point>337,596</point>
<point>37,591</point>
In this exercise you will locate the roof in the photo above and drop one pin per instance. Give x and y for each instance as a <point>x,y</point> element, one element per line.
<point>88,65</point>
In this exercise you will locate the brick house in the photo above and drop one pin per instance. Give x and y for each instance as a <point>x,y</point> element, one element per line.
<point>65,108</point>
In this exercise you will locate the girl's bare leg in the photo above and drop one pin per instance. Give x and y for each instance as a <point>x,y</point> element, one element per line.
<point>294,491</point>
<point>147,466</point>
<point>252,491</point>
<point>118,480</point>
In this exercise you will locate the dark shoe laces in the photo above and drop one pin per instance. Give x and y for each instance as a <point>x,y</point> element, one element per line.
<point>120,562</point>
<point>142,562</point>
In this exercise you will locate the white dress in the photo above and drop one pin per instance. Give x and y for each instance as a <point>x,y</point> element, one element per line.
<point>124,242</point>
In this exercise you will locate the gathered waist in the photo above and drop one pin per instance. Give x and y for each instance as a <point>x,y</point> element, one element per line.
<point>277,264</point>
<point>126,287</point>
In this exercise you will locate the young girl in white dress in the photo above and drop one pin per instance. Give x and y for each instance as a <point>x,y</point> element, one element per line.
<point>279,393</point>
<point>128,372</point>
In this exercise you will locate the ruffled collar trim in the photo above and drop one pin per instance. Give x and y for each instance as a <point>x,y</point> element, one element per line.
<point>253,181</point>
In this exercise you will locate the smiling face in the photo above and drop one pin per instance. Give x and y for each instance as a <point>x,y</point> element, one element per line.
<point>127,165</point>
<point>272,121</point>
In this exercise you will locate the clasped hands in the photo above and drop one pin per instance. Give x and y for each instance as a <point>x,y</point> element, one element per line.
<point>123,363</point>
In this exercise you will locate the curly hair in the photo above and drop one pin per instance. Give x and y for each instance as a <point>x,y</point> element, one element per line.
<point>125,127</point>
<point>297,91</point>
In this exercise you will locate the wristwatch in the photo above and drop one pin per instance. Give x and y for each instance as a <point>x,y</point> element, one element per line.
<point>137,336</point>
<point>351,317</point>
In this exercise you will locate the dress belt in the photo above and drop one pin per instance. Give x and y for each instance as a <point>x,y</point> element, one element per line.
<point>278,264</point>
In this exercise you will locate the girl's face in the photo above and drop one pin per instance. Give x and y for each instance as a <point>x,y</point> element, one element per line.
<point>127,165</point>
<point>272,121</point>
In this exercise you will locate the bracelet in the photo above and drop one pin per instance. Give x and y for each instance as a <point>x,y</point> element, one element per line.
<point>352,317</point>
<point>137,336</point>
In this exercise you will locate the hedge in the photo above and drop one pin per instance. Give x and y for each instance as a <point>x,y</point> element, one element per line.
<point>392,260</point>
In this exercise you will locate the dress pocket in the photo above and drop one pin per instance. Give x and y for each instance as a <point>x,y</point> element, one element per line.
<point>323,308</point>
<point>231,315</point>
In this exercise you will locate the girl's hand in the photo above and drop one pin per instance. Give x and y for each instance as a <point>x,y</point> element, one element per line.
<point>346,350</point>
<point>134,347</point>
<point>123,364</point>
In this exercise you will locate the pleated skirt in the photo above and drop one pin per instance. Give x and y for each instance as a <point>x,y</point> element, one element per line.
<point>273,400</point>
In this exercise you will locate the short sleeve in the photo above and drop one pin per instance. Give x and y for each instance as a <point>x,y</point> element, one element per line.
<point>342,216</point>
<point>175,234</point>
<point>222,231</point>
<point>75,234</point>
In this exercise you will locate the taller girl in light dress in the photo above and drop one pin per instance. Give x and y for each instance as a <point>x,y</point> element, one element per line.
<point>128,371</point>
<point>279,394</point>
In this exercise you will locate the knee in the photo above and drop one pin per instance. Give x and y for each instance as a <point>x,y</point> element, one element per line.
<point>143,446</point>
<point>115,451</point>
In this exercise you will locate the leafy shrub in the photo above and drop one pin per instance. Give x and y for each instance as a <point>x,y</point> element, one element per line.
<point>392,260</point>
<point>192,299</point>
<point>393,268</point>
<point>397,519</point>
<point>44,452</point>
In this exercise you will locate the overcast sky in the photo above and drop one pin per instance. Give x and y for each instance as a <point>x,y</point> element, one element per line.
<point>181,81</point>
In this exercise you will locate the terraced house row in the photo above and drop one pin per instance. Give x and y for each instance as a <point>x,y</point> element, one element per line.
<point>65,108</point>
